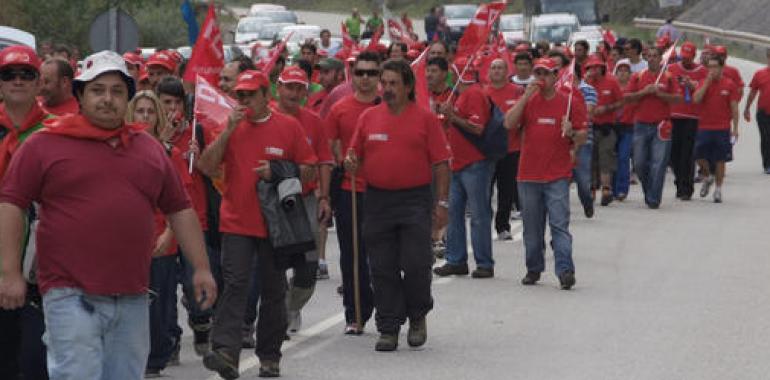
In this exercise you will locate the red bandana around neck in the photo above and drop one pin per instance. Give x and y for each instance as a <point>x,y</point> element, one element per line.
<point>78,126</point>
<point>11,141</point>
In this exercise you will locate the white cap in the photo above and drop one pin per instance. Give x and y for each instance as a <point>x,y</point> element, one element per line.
<point>103,62</point>
<point>624,61</point>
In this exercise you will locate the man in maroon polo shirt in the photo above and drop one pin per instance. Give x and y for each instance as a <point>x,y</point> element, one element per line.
<point>254,136</point>
<point>399,204</point>
<point>98,182</point>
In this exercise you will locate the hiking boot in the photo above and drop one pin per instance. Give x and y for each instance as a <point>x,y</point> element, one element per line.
<point>418,332</point>
<point>706,187</point>
<point>567,280</point>
<point>222,364</point>
<point>483,272</point>
<point>451,269</point>
<point>201,338</point>
<point>387,342</point>
<point>531,278</point>
<point>323,272</point>
<point>718,195</point>
<point>504,235</point>
<point>269,368</point>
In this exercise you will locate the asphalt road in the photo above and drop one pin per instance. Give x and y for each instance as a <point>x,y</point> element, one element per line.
<point>675,293</point>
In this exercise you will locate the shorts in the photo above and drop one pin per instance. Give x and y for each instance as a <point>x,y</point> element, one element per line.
<point>713,146</point>
<point>605,155</point>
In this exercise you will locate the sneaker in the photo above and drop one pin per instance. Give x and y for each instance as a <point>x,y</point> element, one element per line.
<point>222,364</point>
<point>387,342</point>
<point>201,339</point>
<point>531,278</point>
<point>718,195</point>
<point>323,272</point>
<point>450,269</point>
<point>504,235</point>
<point>269,368</point>
<point>353,329</point>
<point>567,280</point>
<point>152,373</point>
<point>418,332</point>
<point>588,211</point>
<point>483,273</point>
<point>439,247</point>
<point>706,187</point>
<point>295,320</point>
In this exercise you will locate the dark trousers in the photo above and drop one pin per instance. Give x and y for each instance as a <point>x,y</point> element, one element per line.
<point>238,255</point>
<point>343,215</point>
<point>397,233</point>
<point>198,318</point>
<point>506,170</point>
<point>163,314</point>
<point>763,121</point>
<point>683,154</point>
<point>22,352</point>
<point>10,342</point>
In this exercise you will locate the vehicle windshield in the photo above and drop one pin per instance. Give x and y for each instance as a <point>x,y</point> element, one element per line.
<point>251,26</point>
<point>585,10</point>
<point>512,23</point>
<point>460,11</point>
<point>553,33</point>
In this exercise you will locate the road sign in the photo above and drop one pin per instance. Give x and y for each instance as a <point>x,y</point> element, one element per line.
<point>114,30</point>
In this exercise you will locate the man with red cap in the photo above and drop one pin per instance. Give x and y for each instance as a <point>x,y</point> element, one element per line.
<point>253,137</point>
<point>471,177</point>
<point>729,71</point>
<point>760,84</point>
<point>159,65</point>
<point>401,208</point>
<point>20,116</point>
<point>56,90</point>
<point>545,169</point>
<point>77,168</point>
<point>293,85</point>
<point>504,94</point>
<point>684,119</point>
<point>134,64</point>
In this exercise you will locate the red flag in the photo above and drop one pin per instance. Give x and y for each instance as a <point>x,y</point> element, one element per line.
<point>566,77</point>
<point>208,57</point>
<point>478,30</point>
<point>275,53</point>
<point>420,82</point>
<point>375,40</point>
<point>347,41</point>
<point>212,107</point>
<point>397,33</point>
<point>609,37</point>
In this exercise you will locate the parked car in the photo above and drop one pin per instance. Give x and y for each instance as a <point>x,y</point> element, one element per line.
<point>458,17</point>
<point>280,16</point>
<point>12,36</point>
<point>248,28</point>
<point>269,32</point>
<point>553,27</point>
<point>512,27</point>
<point>261,7</point>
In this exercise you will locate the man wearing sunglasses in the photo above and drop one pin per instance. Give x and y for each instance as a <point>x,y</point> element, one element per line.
<point>20,116</point>
<point>545,169</point>
<point>339,126</point>
<point>254,135</point>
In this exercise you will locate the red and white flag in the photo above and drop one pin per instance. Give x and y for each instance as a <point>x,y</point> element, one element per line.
<point>208,57</point>
<point>421,94</point>
<point>212,106</point>
<point>347,41</point>
<point>274,54</point>
<point>477,32</point>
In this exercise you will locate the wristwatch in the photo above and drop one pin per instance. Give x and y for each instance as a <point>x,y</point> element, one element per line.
<point>443,203</point>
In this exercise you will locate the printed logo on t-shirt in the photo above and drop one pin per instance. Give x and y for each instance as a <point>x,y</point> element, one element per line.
<point>724,93</point>
<point>510,102</point>
<point>606,92</point>
<point>273,151</point>
<point>546,121</point>
<point>378,137</point>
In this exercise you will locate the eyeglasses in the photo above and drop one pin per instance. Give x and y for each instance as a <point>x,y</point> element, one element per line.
<point>241,95</point>
<point>369,73</point>
<point>26,75</point>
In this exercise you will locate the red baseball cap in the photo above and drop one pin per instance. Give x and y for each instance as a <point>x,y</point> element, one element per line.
<point>688,50</point>
<point>132,58</point>
<point>662,42</point>
<point>251,80</point>
<point>545,63</point>
<point>163,59</point>
<point>593,60</point>
<point>719,50</point>
<point>293,74</point>
<point>19,55</point>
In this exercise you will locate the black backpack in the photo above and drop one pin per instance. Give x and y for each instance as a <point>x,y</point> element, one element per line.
<point>493,141</point>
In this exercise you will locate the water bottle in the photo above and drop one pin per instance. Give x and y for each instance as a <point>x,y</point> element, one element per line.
<point>687,95</point>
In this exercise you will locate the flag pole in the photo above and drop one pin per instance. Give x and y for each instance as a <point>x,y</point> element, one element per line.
<point>356,280</point>
<point>665,65</point>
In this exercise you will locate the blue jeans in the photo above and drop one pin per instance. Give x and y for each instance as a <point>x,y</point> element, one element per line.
<point>96,337</point>
<point>538,201</point>
<point>623,174</point>
<point>582,171</point>
<point>651,156</point>
<point>471,186</point>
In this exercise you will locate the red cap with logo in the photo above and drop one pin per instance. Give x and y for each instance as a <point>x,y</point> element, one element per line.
<point>293,74</point>
<point>546,64</point>
<point>163,59</point>
<point>251,80</point>
<point>132,58</point>
<point>719,50</point>
<point>19,55</point>
<point>594,60</point>
<point>688,50</point>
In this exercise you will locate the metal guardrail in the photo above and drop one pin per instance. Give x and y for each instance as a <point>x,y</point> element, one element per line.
<point>730,35</point>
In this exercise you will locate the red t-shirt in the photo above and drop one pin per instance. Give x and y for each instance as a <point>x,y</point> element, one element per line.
<point>608,92</point>
<point>761,83</point>
<point>197,189</point>
<point>545,154</point>
<point>316,100</point>
<point>97,206</point>
<point>388,144</point>
<point>340,124</point>
<point>697,74</point>
<point>69,106</point>
<point>316,137</point>
<point>626,115</point>
<point>279,138</point>
<point>734,75</point>
<point>715,113</point>
<point>504,98</point>
<point>473,106</point>
<point>651,109</point>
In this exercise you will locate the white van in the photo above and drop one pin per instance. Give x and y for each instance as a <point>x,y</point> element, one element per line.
<point>553,27</point>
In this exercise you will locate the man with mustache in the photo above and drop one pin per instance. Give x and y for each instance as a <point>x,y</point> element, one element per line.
<point>56,90</point>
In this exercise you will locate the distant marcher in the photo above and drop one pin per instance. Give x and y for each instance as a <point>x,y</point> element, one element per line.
<point>760,84</point>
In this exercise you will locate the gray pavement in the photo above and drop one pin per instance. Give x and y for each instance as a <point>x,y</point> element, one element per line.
<point>675,293</point>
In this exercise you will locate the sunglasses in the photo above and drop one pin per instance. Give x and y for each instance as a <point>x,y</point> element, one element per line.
<point>241,95</point>
<point>369,73</point>
<point>25,75</point>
